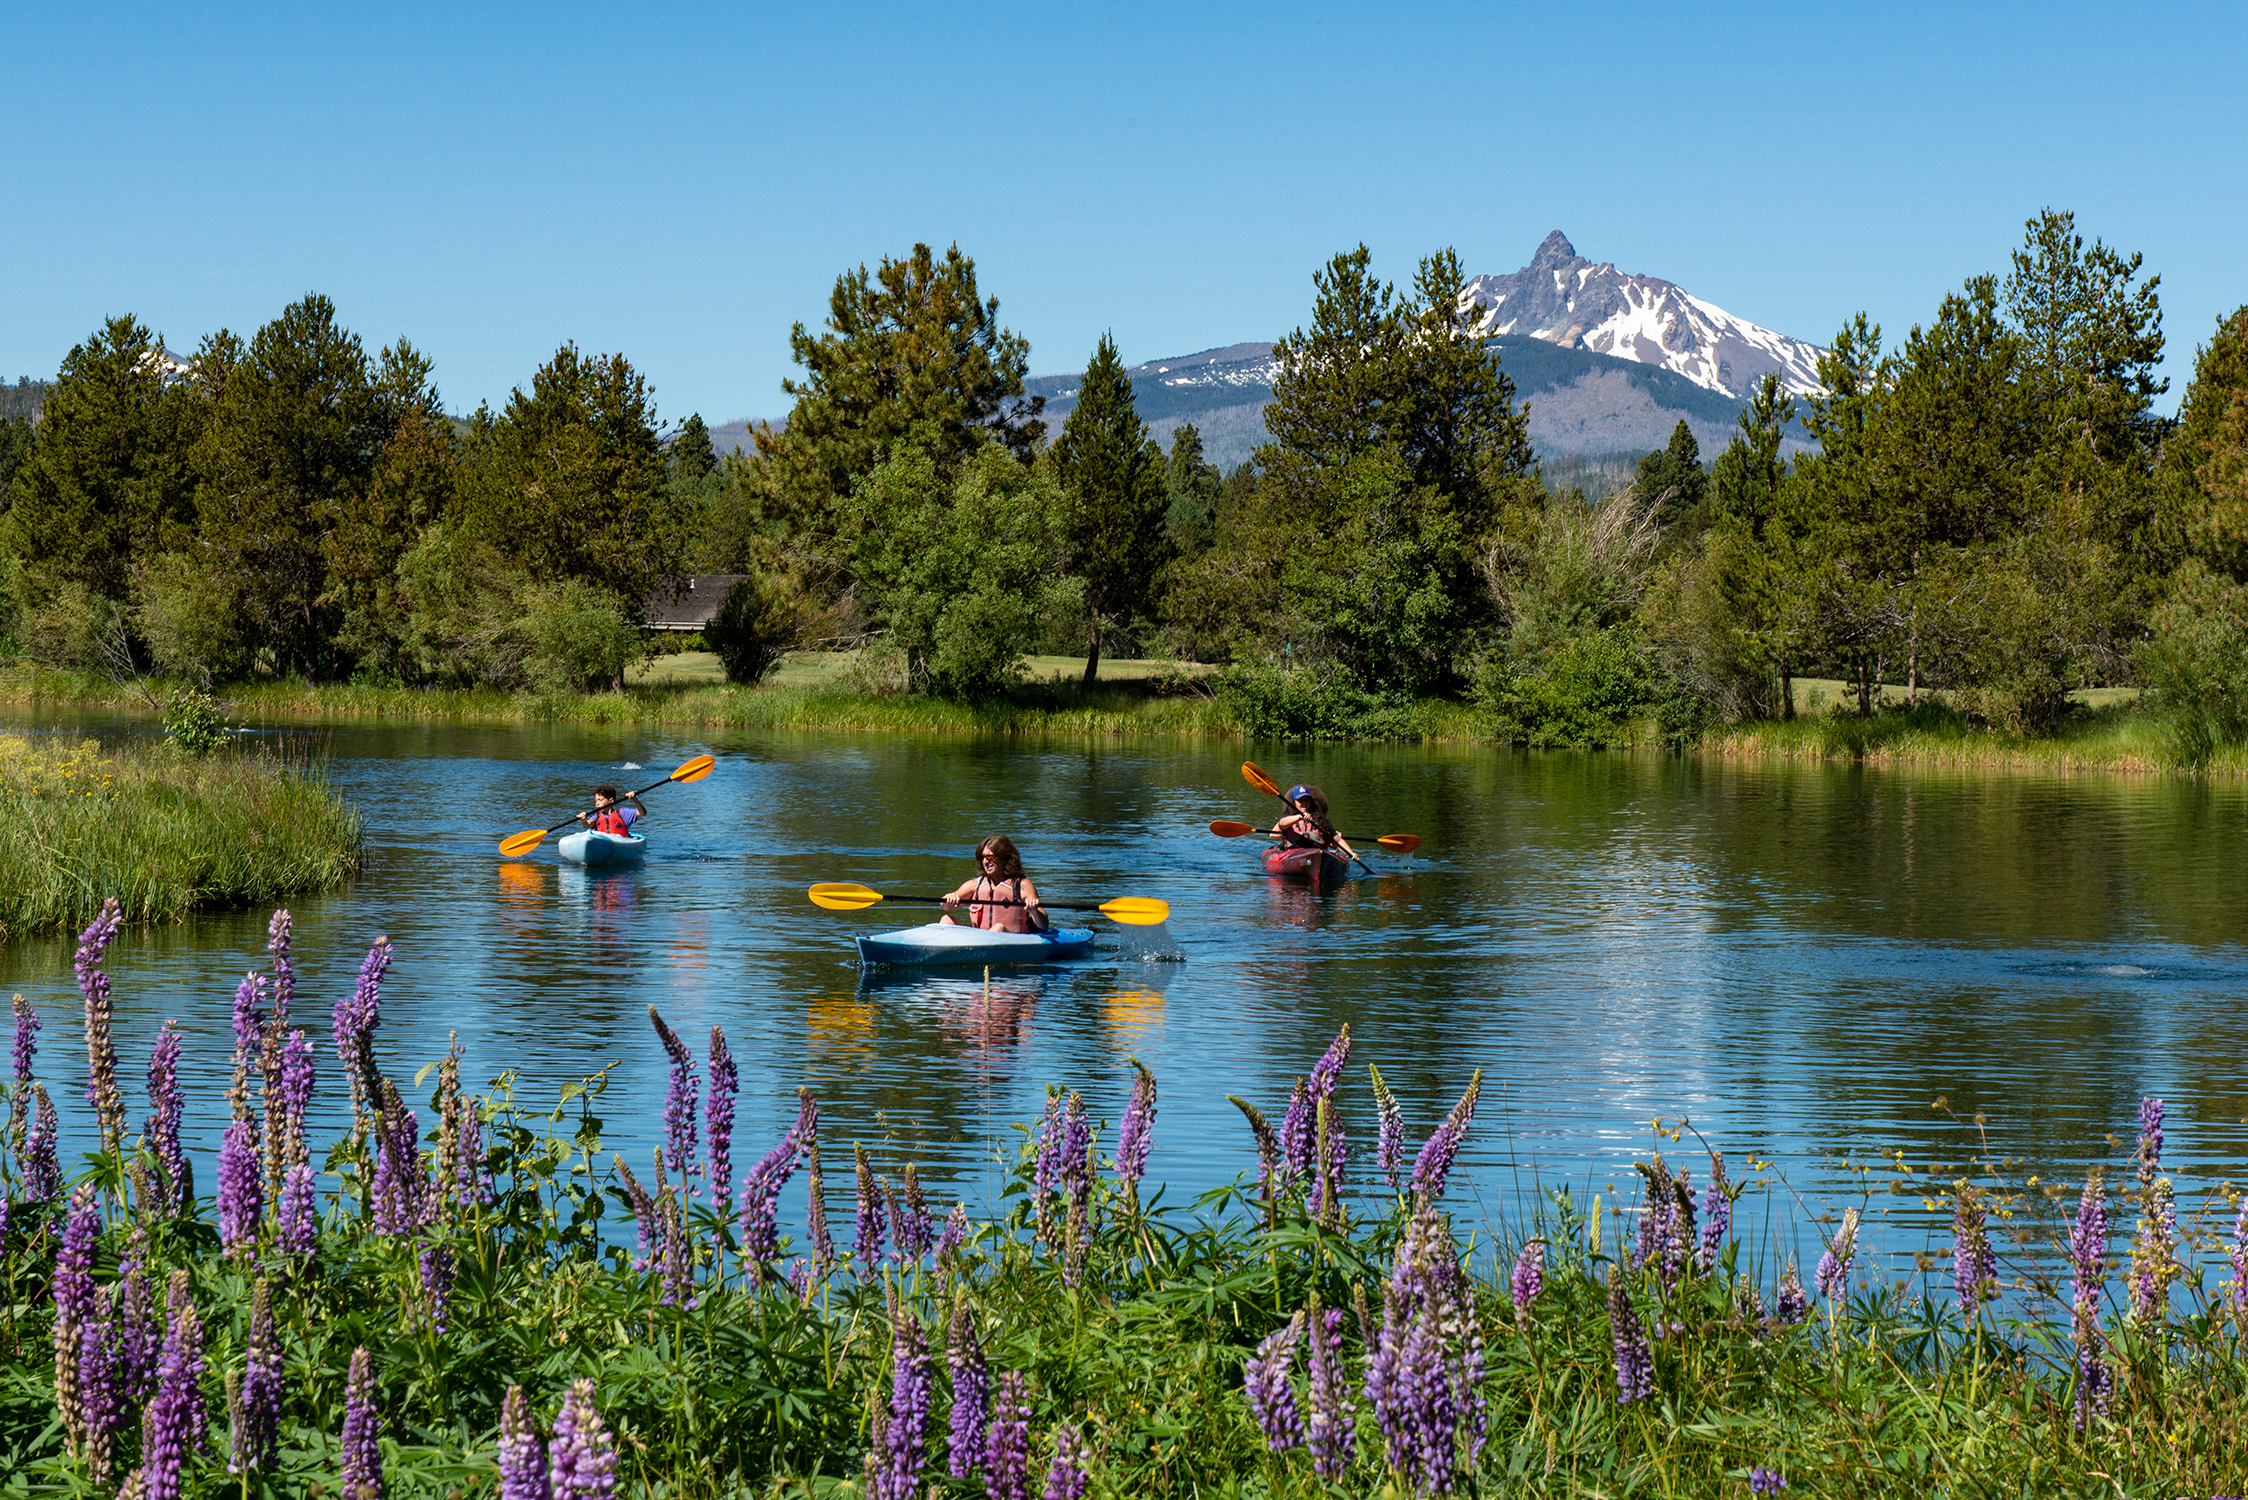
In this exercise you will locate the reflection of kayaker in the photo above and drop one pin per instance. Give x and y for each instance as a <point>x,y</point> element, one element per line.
<point>1001,897</point>
<point>1308,842</point>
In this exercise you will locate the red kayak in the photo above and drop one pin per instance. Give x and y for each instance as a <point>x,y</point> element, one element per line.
<point>1319,866</point>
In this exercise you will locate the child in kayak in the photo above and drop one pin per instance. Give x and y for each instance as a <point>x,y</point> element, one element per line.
<point>611,816</point>
<point>1000,898</point>
<point>1307,826</point>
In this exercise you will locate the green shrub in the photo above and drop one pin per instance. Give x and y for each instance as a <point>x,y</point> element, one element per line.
<point>1317,702</point>
<point>193,723</point>
<point>756,625</point>
<point>1588,693</point>
<point>578,634</point>
<point>2195,664</point>
<point>192,621</point>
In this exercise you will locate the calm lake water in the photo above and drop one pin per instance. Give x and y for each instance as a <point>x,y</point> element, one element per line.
<point>1796,959</point>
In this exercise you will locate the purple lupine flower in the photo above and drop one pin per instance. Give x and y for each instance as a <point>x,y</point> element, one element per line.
<point>73,1290</point>
<point>867,1228</point>
<point>257,1400</point>
<point>1065,1476</point>
<point>1833,1276</point>
<point>101,1397</point>
<point>761,1187</point>
<point>1137,1132</point>
<point>2087,1245</point>
<point>26,1051</point>
<point>277,934</point>
<point>1635,1362</point>
<point>1076,1148</point>
<point>400,1190</point>
<point>42,1172</point>
<point>1331,1433</point>
<point>680,1096</point>
<point>1046,1165</point>
<point>971,1393</point>
<point>140,1334</point>
<point>437,1269</point>
<point>725,1083</point>
<point>1791,1307</point>
<point>675,1259</point>
<point>953,1238</point>
<point>815,1187</point>
<point>175,1421</point>
<point>522,1454</point>
<point>800,1278</point>
<point>296,1090</point>
<point>300,1221</point>
<point>241,1187</point>
<point>1329,1069</point>
<point>249,1035</point>
<point>101,1048</point>
<point>1528,1279</point>
<point>1433,1167</point>
<point>1296,1132</point>
<point>1765,1481</point>
<point>1663,1236</point>
<point>2095,1382</point>
<point>2149,1155</point>
<point>2154,1253</point>
<point>355,1020</point>
<point>894,1468</point>
<point>359,1471</point>
<point>1389,1140</point>
<point>915,1230</point>
<point>1269,1155</point>
<point>1422,1373</point>
<point>1717,1214</point>
<point>166,1104</point>
<point>582,1458</point>
<point>1267,1377</point>
<point>1006,1449</point>
<point>1974,1268</point>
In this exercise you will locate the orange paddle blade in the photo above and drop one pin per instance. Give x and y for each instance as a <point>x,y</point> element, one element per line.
<point>522,843</point>
<point>694,770</point>
<point>840,895</point>
<point>1254,774</point>
<point>1403,843</point>
<point>1137,911</point>
<point>1227,829</point>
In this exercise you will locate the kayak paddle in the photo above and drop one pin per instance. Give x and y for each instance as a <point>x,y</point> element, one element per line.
<point>1402,843</point>
<point>1255,775</point>
<point>1137,911</point>
<point>531,838</point>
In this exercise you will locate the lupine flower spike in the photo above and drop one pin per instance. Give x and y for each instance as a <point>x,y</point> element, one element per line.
<point>1717,1214</point>
<point>582,1458</point>
<point>1635,1362</point>
<point>1267,1376</point>
<point>725,1083</point>
<point>175,1422</point>
<point>522,1454</point>
<point>1432,1169</point>
<point>101,1049</point>
<point>1065,1476</point>
<point>174,1187</point>
<point>971,1394</point>
<point>1974,1268</point>
<point>1833,1278</point>
<point>680,1096</point>
<point>900,1449</point>
<point>1137,1132</point>
<point>359,1471</point>
<point>1332,1432</point>
<point>1006,1452</point>
<point>1528,1280</point>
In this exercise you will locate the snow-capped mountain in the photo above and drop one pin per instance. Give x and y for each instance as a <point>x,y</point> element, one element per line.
<point>1565,299</point>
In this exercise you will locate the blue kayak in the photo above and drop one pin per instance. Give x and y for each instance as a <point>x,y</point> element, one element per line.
<point>589,846</point>
<point>941,943</point>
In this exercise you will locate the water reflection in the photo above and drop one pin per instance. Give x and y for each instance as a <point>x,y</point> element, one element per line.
<point>1797,958</point>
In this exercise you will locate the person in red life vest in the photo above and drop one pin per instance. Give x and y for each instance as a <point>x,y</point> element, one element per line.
<point>612,816</point>
<point>1307,827</point>
<point>1001,897</point>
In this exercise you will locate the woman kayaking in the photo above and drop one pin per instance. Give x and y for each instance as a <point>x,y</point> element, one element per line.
<point>1001,897</point>
<point>1307,827</point>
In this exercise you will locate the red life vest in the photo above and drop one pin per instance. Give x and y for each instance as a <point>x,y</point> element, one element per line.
<point>987,913</point>
<point>611,820</point>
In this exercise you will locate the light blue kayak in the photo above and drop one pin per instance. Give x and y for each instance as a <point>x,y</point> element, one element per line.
<point>590,846</point>
<point>939,943</point>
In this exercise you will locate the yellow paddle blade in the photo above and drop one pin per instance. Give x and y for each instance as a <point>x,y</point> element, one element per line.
<point>838,895</point>
<point>1254,774</point>
<point>1403,843</point>
<point>522,843</point>
<point>694,770</point>
<point>1225,828</point>
<point>1136,911</point>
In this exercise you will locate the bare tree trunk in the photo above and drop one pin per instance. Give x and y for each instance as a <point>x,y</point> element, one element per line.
<point>1787,691</point>
<point>1865,691</point>
<point>1093,652</point>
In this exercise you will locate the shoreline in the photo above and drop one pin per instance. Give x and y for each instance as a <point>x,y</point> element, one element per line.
<point>2116,738</point>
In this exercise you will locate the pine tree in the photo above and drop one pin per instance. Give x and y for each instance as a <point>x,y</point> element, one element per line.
<point>108,476</point>
<point>2207,457</point>
<point>910,356</point>
<point>1115,473</point>
<point>1192,490</point>
<point>692,455</point>
<point>1674,473</point>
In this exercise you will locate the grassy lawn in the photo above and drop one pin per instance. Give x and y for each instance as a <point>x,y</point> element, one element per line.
<point>812,669</point>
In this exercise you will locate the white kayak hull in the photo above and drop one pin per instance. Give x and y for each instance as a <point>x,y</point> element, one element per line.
<point>591,847</point>
<point>939,943</point>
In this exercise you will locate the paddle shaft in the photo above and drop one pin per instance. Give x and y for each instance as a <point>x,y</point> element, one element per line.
<point>1226,829</point>
<point>651,786</point>
<point>973,901</point>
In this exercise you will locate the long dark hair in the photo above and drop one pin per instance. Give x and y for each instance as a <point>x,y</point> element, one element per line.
<point>1318,810</point>
<point>1003,849</point>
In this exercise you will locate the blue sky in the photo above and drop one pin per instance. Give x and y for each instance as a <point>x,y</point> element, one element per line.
<point>682,184</point>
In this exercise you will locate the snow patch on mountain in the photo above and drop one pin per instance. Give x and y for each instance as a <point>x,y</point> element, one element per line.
<point>1563,298</point>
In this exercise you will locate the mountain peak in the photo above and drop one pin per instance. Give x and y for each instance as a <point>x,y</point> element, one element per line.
<point>1564,299</point>
<point>1553,251</point>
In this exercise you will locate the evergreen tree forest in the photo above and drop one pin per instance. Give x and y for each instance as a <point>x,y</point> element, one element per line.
<point>1992,516</point>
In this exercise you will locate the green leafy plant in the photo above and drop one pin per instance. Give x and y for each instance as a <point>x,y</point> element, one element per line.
<point>193,722</point>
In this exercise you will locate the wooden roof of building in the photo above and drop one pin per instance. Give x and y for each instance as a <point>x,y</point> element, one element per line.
<point>687,603</point>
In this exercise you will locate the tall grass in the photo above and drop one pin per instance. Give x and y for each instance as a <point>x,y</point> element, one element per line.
<point>1659,1353</point>
<point>162,833</point>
